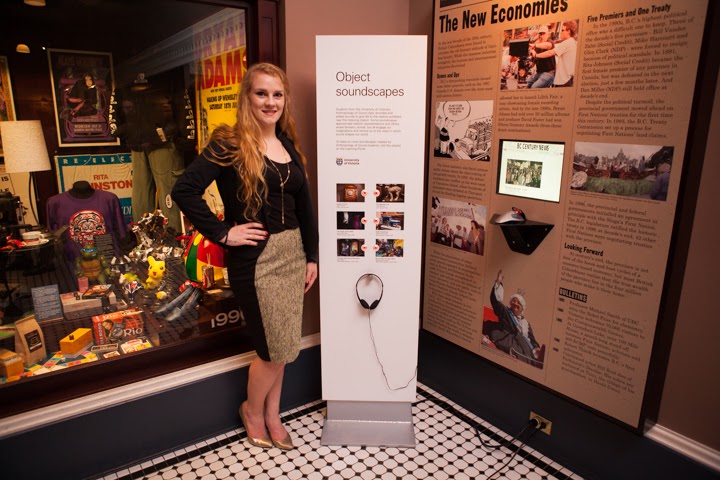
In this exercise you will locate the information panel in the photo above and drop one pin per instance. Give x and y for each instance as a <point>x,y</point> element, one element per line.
<point>576,113</point>
<point>371,122</point>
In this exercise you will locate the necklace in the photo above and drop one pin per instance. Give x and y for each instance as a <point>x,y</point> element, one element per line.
<point>282,183</point>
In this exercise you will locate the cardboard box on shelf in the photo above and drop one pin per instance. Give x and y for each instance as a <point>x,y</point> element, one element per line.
<point>74,306</point>
<point>10,363</point>
<point>118,326</point>
<point>76,342</point>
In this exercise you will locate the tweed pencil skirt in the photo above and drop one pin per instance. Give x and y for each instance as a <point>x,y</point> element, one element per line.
<point>270,292</point>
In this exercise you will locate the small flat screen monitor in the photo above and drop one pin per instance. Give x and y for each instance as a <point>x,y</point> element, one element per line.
<point>531,169</point>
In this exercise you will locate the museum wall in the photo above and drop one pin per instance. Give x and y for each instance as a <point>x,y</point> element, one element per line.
<point>301,22</point>
<point>690,398</point>
<point>688,395</point>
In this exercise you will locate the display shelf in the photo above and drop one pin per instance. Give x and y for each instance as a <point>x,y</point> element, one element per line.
<point>523,237</point>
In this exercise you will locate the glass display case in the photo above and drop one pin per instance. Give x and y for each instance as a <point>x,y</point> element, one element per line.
<point>105,283</point>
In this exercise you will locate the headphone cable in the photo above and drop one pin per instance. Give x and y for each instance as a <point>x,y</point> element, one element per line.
<point>382,368</point>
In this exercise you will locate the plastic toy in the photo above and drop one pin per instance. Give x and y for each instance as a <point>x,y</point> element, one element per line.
<point>92,265</point>
<point>156,271</point>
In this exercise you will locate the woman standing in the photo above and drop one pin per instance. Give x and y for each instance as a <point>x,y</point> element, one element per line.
<point>269,230</point>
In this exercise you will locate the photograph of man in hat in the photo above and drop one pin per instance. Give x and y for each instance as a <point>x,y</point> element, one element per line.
<point>545,67</point>
<point>512,332</point>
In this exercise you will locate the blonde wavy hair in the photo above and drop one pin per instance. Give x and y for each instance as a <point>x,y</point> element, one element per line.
<point>241,144</point>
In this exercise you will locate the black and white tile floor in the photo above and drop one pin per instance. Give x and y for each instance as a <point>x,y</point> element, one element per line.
<point>447,448</point>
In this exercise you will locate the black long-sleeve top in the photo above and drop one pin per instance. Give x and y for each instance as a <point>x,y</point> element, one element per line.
<point>189,188</point>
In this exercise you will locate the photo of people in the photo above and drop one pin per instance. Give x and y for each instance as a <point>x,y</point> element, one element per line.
<point>539,56</point>
<point>390,192</point>
<point>350,221</point>
<point>506,327</point>
<point>524,173</point>
<point>641,171</point>
<point>389,221</point>
<point>463,130</point>
<point>530,169</point>
<point>350,247</point>
<point>350,192</point>
<point>389,247</point>
<point>459,225</point>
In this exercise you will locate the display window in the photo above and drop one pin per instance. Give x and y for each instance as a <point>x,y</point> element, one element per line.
<point>103,282</point>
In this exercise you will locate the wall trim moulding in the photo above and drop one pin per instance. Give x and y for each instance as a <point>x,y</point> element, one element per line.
<point>127,393</point>
<point>686,446</point>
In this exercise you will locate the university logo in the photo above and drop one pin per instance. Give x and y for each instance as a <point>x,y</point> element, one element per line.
<point>339,161</point>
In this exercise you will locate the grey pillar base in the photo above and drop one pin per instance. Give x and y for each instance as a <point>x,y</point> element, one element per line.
<point>368,424</point>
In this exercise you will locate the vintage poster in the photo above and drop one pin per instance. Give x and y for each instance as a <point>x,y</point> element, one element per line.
<point>7,106</point>
<point>82,86</point>
<point>577,113</point>
<point>109,172</point>
<point>220,67</point>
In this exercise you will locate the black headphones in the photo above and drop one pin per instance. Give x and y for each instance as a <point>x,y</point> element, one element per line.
<point>363,302</point>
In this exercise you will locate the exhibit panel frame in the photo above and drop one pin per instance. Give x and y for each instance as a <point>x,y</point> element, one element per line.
<point>371,112</point>
<point>524,78</point>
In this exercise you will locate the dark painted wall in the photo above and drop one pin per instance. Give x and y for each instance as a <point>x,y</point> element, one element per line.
<point>591,446</point>
<point>106,440</point>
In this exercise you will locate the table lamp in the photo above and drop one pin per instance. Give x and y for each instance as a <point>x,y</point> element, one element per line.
<point>25,151</point>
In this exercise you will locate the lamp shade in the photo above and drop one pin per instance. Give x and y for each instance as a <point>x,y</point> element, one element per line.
<point>24,146</point>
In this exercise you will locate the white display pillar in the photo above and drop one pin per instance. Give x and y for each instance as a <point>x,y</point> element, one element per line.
<point>371,104</point>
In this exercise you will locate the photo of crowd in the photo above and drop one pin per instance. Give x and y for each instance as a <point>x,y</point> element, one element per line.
<point>351,247</point>
<point>458,225</point>
<point>463,130</point>
<point>641,171</point>
<point>524,173</point>
<point>539,56</point>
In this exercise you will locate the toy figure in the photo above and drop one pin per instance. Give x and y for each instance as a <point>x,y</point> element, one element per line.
<point>156,270</point>
<point>131,285</point>
<point>92,265</point>
<point>120,264</point>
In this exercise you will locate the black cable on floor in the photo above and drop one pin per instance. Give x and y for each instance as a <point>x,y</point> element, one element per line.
<point>499,445</point>
<point>519,447</point>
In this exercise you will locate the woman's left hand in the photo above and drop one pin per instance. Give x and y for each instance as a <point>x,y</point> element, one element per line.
<point>310,275</point>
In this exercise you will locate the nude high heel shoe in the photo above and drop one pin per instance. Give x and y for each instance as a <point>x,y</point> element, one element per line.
<point>284,444</point>
<point>262,442</point>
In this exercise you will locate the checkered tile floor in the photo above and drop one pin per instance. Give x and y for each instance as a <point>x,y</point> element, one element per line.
<point>447,448</point>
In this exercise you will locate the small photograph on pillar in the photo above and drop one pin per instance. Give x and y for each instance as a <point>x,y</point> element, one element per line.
<point>389,247</point>
<point>389,221</point>
<point>351,220</point>
<point>390,192</point>
<point>351,247</point>
<point>350,192</point>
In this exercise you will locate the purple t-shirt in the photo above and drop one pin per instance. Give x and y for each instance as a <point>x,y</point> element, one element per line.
<point>98,214</point>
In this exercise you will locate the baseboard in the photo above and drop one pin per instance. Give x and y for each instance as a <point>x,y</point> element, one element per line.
<point>685,446</point>
<point>128,393</point>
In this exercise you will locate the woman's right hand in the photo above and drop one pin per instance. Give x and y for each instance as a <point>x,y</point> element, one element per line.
<point>246,234</point>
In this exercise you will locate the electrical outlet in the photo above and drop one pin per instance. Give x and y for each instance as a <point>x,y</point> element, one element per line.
<point>545,424</point>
